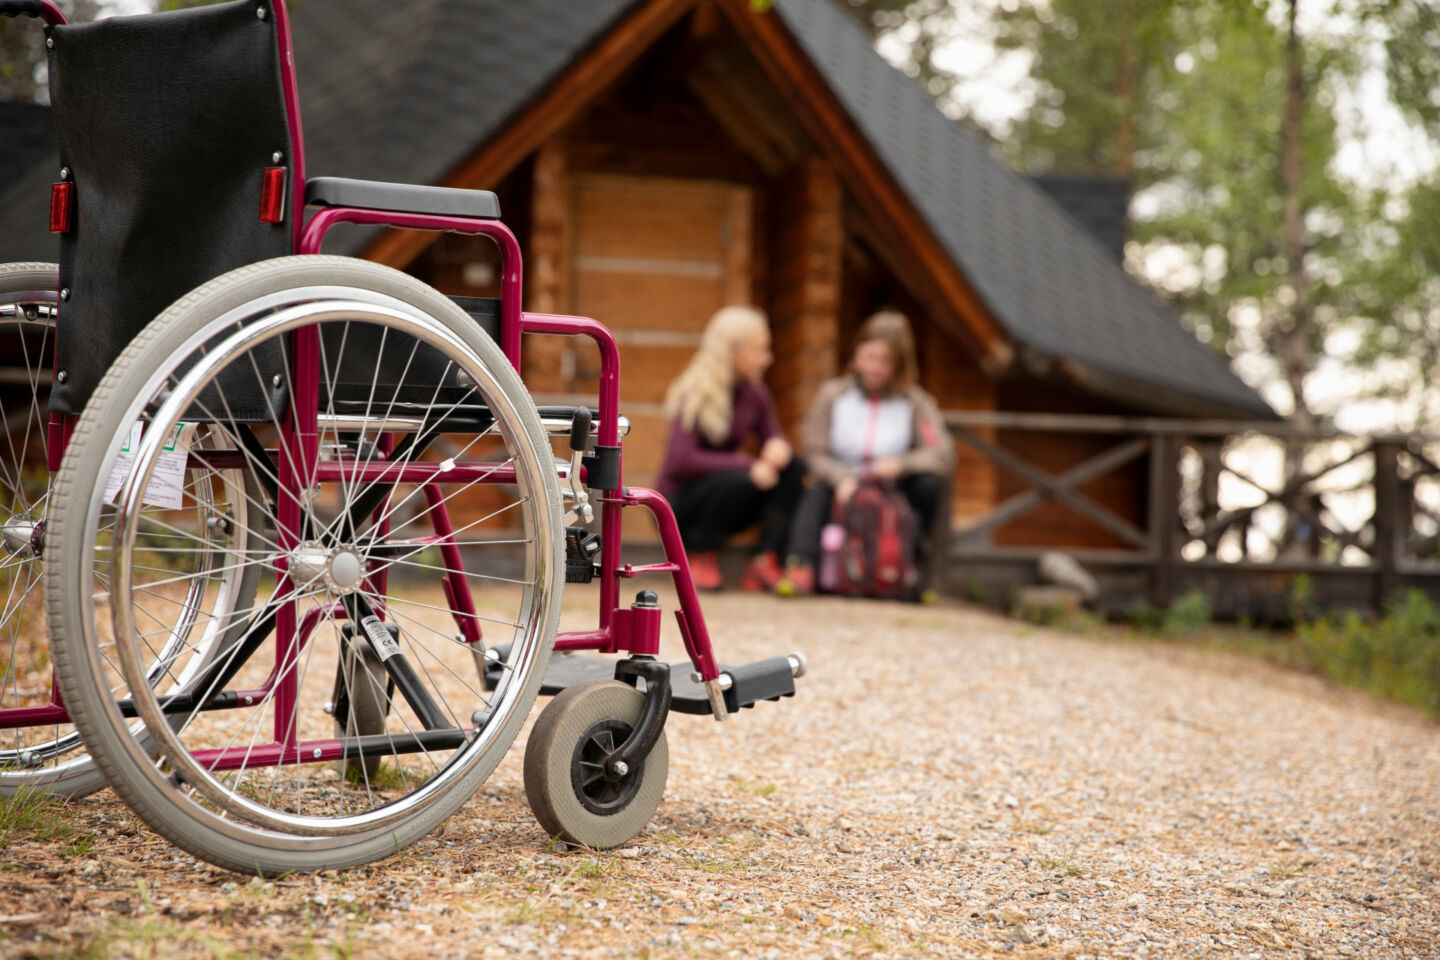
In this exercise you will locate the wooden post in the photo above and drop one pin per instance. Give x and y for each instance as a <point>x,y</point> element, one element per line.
<point>807,241</point>
<point>1389,510</point>
<point>1211,465</point>
<point>1164,514</point>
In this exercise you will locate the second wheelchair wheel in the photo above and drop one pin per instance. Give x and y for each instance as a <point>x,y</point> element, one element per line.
<point>50,756</point>
<point>327,382</point>
<point>46,756</point>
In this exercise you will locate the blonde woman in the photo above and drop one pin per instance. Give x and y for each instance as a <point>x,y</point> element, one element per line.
<point>717,406</point>
<point>874,423</point>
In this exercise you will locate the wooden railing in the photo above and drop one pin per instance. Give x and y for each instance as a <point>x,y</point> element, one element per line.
<point>1236,509</point>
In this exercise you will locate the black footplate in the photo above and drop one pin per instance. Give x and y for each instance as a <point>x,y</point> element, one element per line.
<point>750,683</point>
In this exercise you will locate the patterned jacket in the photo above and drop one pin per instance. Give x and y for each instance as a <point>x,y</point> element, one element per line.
<point>930,450</point>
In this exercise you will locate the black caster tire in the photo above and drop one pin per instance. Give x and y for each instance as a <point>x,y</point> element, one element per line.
<point>565,779</point>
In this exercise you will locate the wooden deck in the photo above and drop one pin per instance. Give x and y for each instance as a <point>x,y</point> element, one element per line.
<point>1254,515</point>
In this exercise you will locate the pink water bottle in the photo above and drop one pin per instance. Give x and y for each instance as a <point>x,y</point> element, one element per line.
<point>832,542</point>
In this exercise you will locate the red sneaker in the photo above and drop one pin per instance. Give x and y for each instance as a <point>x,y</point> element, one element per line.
<point>798,581</point>
<point>705,571</point>
<point>761,574</point>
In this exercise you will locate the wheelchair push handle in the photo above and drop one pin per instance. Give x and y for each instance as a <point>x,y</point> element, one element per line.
<point>580,430</point>
<point>44,9</point>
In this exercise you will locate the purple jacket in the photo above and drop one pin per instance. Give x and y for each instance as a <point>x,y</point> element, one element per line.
<point>689,454</point>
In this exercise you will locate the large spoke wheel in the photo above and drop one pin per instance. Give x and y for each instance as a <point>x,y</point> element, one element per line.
<point>327,383</point>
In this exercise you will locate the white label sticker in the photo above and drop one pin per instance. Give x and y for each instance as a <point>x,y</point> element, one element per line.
<point>123,462</point>
<point>167,482</point>
<point>380,637</point>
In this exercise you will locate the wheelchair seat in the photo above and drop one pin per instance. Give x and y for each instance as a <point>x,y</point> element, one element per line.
<point>401,197</point>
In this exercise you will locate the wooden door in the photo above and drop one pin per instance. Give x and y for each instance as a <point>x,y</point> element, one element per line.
<point>653,258</point>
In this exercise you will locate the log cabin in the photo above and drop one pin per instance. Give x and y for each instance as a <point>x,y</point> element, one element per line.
<point>661,158</point>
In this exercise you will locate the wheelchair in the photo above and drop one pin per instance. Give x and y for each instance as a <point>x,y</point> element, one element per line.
<point>304,553</point>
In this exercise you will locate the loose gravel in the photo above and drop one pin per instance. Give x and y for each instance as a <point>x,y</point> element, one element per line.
<point>947,783</point>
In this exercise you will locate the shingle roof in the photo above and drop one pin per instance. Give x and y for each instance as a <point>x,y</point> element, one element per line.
<point>405,92</point>
<point>1099,204</point>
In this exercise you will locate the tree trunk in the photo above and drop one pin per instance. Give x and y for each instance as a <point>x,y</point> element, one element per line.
<point>1295,343</point>
<point>1125,93</point>
<point>1292,346</point>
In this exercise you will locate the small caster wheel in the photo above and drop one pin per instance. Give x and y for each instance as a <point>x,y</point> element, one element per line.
<point>362,701</point>
<point>571,788</point>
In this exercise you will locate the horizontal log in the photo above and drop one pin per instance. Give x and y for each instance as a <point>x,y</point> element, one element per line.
<point>1099,423</point>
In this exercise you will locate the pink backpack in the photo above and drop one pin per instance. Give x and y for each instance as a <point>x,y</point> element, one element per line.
<point>869,550</point>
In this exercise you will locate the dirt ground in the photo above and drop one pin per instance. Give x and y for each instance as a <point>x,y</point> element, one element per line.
<point>946,783</point>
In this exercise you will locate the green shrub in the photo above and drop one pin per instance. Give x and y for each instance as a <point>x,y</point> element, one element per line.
<point>1397,657</point>
<point>1302,591</point>
<point>1146,619</point>
<point>1189,614</point>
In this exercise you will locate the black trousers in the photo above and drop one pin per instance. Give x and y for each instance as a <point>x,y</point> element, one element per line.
<point>923,490</point>
<point>714,508</point>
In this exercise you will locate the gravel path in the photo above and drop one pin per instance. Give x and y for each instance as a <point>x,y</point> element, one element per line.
<point>947,783</point>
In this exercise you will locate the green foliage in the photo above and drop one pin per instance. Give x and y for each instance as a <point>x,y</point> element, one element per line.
<point>22,812</point>
<point>1188,99</point>
<point>1099,69</point>
<point>1397,657</point>
<point>1189,614</point>
<point>1411,32</point>
<point>1302,589</point>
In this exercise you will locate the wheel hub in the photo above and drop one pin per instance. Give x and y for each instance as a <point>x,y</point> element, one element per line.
<point>599,787</point>
<point>21,536</point>
<point>340,569</point>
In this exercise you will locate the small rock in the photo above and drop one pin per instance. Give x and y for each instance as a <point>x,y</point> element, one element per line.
<point>628,853</point>
<point>1011,802</point>
<point>1136,900</point>
<point>1011,913</point>
<point>509,943</point>
<point>945,835</point>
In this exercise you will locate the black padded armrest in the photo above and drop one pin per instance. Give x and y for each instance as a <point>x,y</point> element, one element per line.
<point>401,197</point>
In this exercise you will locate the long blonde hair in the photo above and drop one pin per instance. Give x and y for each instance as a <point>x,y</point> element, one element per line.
<point>702,393</point>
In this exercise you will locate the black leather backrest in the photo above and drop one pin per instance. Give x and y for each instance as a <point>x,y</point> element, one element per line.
<point>167,123</point>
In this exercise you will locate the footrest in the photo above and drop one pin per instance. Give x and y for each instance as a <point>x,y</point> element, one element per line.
<point>748,684</point>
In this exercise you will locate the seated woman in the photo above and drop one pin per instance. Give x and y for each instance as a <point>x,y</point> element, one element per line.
<point>717,405</point>
<point>874,423</point>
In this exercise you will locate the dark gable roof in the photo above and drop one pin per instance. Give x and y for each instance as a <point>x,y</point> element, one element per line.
<point>1099,204</point>
<point>405,92</point>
